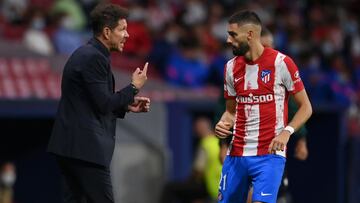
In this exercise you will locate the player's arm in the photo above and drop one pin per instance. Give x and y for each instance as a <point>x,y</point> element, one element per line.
<point>301,151</point>
<point>301,116</point>
<point>222,128</point>
<point>294,85</point>
<point>304,111</point>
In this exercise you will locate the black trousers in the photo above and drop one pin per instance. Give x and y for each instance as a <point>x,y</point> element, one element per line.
<point>85,182</point>
<point>184,192</point>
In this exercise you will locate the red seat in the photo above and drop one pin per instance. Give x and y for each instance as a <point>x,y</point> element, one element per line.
<point>23,78</point>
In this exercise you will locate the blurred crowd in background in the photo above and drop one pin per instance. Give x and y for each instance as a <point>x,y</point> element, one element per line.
<point>185,41</point>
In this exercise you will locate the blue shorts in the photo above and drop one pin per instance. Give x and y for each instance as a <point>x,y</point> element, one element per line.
<point>264,173</point>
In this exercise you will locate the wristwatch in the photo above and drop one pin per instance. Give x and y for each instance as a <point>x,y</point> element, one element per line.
<point>135,90</point>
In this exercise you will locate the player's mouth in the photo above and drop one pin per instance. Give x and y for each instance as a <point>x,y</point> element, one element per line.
<point>122,43</point>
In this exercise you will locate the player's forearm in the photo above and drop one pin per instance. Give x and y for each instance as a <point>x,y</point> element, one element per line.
<point>228,117</point>
<point>229,114</point>
<point>301,116</point>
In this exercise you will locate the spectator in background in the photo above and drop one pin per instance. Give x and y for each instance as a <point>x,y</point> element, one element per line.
<point>185,67</point>
<point>217,21</point>
<point>66,38</point>
<point>74,11</point>
<point>207,164</point>
<point>7,181</point>
<point>164,45</point>
<point>14,10</point>
<point>140,42</point>
<point>341,83</point>
<point>202,184</point>
<point>194,12</point>
<point>316,79</point>
<point>353,150</point>
<point>216,67</point>
<point>35,38</point>
<point>159,14</point>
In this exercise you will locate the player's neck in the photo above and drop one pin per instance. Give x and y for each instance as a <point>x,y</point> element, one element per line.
<point>255,51</point>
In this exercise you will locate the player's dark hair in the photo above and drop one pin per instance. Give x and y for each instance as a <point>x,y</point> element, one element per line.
<point>106,15</point>
<point>244,17</point>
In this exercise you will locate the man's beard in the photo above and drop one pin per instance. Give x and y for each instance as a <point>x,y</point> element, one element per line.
<point>241,50</point>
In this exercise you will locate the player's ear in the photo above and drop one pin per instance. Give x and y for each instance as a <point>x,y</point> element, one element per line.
<point>250,35</point>
<point>106,32</point>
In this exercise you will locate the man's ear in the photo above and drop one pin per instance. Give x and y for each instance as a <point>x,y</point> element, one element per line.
<point>106,33</point>
<point>250,35</point>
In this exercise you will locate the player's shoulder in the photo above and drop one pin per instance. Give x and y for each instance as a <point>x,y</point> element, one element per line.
<point>235,60</point>
<point>89,52</point>
<point>231,61</point>
<point>284,61</point>
<point>281,56</point>
<point>270,52</point>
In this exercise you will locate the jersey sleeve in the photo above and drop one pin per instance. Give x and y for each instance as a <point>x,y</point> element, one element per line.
<point>291,77</point>
<point>229,90</point>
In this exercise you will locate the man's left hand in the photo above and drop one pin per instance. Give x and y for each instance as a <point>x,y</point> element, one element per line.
<point>141,104</point>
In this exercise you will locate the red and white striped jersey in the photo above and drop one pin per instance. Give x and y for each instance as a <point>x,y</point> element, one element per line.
<point>261,90</point>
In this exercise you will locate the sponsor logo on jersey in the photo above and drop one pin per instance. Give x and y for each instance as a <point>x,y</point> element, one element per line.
<point>296,74</point>
<point>255,99</point>
<point>220,196</point>
<point>297,77</point>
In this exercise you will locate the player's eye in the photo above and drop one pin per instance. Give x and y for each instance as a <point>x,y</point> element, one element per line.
<point>232,34</point>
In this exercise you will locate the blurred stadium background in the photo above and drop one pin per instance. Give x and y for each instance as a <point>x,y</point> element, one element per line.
<point>184,41</point>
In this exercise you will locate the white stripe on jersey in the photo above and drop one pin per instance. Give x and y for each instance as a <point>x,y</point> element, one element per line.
<point>252,113</point>
<point>285,73</point>
<point>252,126</point>
<point>229,77</point>
<point>251,77</point>
<point>279,95</point>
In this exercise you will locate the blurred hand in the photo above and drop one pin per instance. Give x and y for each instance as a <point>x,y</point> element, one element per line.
<point>279,142</point>
<point>222,129</point>
<point>301,150</point>
<point>141,104</point>
<point>139,77</point>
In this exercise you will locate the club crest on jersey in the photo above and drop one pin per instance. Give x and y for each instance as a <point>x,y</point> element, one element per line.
<point>220,196</point>
<point>265,76</point>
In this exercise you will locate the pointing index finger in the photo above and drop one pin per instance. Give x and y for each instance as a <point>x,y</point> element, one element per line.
<point>144,71</point>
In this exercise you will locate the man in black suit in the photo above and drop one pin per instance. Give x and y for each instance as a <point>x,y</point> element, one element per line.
<point>83,135</point>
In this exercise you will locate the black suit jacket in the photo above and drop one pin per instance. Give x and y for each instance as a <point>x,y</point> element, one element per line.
<point>86,118</point>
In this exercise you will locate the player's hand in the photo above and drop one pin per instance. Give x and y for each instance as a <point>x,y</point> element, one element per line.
<point>279,142</point>
<point>301,150</point>
<point>141,104</point>
<point>139,77</point>
<point>222,129</point>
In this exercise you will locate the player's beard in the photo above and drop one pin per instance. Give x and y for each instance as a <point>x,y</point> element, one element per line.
<point>241,50</point>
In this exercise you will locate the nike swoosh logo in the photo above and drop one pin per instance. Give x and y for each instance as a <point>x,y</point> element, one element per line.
<point>237,79</point>
<point>265,194</point>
